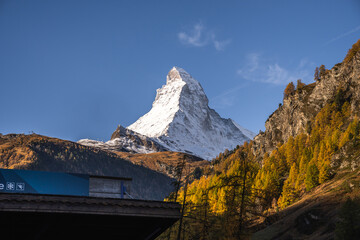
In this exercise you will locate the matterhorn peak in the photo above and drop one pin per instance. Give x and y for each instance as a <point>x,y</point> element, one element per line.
<point>179,76</point>
<point>181,120</point>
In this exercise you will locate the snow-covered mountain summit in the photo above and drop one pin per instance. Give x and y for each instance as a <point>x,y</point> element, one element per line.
<point>181,120</point>
<point>182,93</point>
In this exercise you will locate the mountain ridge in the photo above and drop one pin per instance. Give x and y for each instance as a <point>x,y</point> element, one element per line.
<point>180,120</point>
<point>126,140</point>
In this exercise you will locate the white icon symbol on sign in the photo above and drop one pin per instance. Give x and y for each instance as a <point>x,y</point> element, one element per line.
<point>10,186</point>
<point>20,186</point>
<point>2,186</point>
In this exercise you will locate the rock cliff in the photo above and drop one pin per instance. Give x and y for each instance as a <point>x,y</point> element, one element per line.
<point>301,106</point>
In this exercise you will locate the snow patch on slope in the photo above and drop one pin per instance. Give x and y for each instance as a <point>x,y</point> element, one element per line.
<point>117,144</point>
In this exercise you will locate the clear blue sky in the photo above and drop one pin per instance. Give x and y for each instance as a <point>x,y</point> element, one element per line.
<point>76,69</point>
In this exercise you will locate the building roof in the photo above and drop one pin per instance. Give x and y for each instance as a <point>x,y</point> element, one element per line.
<point>54,215</point>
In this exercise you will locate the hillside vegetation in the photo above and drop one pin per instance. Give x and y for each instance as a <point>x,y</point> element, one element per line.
<point>292,178</point>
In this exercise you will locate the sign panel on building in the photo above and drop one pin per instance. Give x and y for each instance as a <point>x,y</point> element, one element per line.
<point>39,182</point>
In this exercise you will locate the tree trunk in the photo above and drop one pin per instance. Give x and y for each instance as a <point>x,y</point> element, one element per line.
<point>183,209</point>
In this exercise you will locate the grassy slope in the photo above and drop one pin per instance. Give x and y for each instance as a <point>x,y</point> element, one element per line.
<point>314,216</point>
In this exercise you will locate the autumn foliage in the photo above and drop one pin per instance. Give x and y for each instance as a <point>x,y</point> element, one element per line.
<point>290,88</point>
<point>239,186</point>
<point>351,53</point>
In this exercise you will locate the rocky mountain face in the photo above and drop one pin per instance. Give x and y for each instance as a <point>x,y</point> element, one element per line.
<point>299,108</point>
<point>180,120</point>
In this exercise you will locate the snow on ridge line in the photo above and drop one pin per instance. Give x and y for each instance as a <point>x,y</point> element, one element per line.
<point>246,132</point>
<point>117,144</point>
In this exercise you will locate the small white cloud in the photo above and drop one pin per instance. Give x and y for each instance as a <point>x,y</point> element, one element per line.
<point>278,75</point>
<point>195,37</point>
<point>253,61</point>
<point>220,45</point>
<point>259,69</point>
<point>199,36</point>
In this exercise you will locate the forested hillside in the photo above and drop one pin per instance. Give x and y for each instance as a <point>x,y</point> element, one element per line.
<point>310,140</point>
